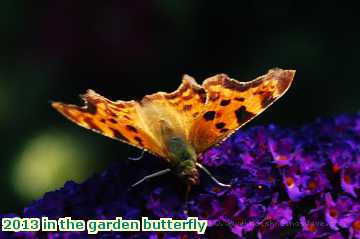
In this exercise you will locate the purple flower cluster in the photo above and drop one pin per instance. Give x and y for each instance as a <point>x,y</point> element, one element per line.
<point>286,183</point>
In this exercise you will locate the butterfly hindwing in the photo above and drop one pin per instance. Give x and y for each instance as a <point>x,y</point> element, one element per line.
<point>172,114</point>
<point>230,104</point>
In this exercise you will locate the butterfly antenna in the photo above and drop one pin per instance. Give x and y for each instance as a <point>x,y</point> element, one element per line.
<point>139,157</point>
<point>159,173</point>
<point>212,177</point>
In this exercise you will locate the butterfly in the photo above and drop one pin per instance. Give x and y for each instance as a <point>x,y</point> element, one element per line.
<point>179,126</point>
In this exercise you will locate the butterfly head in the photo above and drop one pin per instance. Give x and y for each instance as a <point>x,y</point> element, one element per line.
<point>188,172</point>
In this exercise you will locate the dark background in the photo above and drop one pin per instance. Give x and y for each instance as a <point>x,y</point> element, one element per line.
<point>55,50</point>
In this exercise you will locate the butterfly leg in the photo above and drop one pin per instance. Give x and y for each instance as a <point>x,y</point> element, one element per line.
<point>139,157</point>
<point>211,176</point>
<point>188,188</point>
<point>159,173</point>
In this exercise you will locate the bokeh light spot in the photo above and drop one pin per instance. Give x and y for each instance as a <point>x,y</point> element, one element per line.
<point>47,161</point>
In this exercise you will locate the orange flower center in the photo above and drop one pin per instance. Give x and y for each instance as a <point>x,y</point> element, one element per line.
<point>289,182</point>
<point>356,225</point>
<point>312,227</point>
<point>336,168</point>
<point>333,212</point>
<point>347,179</point>
<point>312,185</point>
<point>282,157</point>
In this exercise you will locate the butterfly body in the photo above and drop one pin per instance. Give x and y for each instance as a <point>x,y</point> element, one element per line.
<point>183,160</point>
<point>181,125</point>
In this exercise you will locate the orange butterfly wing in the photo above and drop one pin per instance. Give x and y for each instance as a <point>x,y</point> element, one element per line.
<point>172,114</point>
<point>118,120</point>
<point>146,124</point>
<point>231,104</point>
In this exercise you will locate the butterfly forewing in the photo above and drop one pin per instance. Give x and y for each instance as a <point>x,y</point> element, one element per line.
<point>230,104</point>
<point>119,120</point>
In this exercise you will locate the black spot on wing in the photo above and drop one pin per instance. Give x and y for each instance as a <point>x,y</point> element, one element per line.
<point>225,102</point>
<point>139,140</point>
<point>242,115</point>
<point>241,99</point>
<point>210,115</point>
<point>131,128</point>
<point>118,135</point>
<point>224,130</point>
<point>220,125</point>
<point>91,124</point>
<point>112,121</point>
<point>112,114</point>
<point>187,107</point>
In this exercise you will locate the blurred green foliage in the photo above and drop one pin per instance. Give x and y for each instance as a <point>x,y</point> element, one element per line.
<point>47,161</point>
<point>55,50</point>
